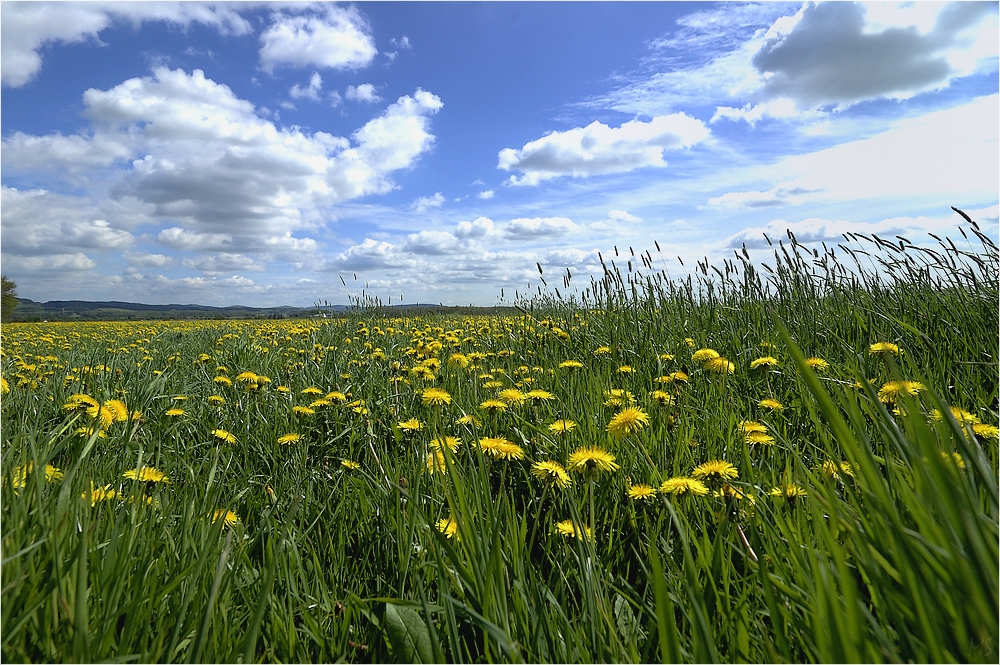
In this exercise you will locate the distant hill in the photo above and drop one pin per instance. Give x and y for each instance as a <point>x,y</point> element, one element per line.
<point>113,310</point>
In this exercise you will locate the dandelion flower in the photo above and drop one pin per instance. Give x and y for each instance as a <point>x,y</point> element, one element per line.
<point>448,526</point>
<point>469,420</point>
<point>501,448</point>
<point>571,364</point>
<point>627,421</point>
<point>551,473</point>
<point>986,431</point>
<point>666,356</point>
<point>291,437</point>
<point>490,385</point>
<point>720,366</point>
<point>954,458</point>
<point>673,376</point>
<point>883,347</point>
<point>568,529</point>
<point>767,362</point>
<point>641,493</point>
<point>411,425</point>
<point>223,435</point>
<point>681,485</point>
<point>216,400</point>
<point>350,465</point>
<point>759,438</point>
<point>961,415</point>
<point>312,390</point>
<point>748,426</point>
<point>661,397</point>
<point>789,492</point>
<point>602,350</point>
<point>512,396</point>
<point>618,397</point>
<point>818,364</point>
<point>223,380</point>
<point>539,395</point>
<point>891,390</point>
<point>493,406</point>
<point>450,442</point>
<point>147,474</point>
<point>436,397</point>
<point>99,494</point>
<point>228,517</point>
<point>702,355</point>
<point>833,470</point>
<point>175,413</point>
<point>715,472</point>
<point>303,410</point>
<point>626,369</point>
<point>562,426</point>
<point>336,396</point>
<point>592,459</point>
<point>772,404</point>
<point>435,462</point>
<point>20,474</point>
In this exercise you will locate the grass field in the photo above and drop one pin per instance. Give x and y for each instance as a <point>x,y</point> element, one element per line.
<point>796,462</point>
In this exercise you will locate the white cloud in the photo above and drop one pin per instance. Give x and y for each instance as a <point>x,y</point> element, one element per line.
<point>337,38</point>
<point>539,227</point>
<point>425,203</point>
<point>311,91</point>
<point>178,238</point>
<point>203,158</point>
<point>403,42</point>
<point>830,54</point>
<point>49,264</point>
<point>486,195</point>
<point>147,260</point>
<point>572,258</point>
<point>598,149</point>
<point>224,263</point>
<point>362,93</point>
<point>436,243</point>
<point>369,255</point>
<point>28,26</point>
<point>477,228</point>
<point>779,195</point>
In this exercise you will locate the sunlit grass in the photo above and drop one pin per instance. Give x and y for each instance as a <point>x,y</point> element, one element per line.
<point>788,462</point>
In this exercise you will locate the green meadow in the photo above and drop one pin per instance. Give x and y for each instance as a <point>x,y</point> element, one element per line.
<point>787,461</point>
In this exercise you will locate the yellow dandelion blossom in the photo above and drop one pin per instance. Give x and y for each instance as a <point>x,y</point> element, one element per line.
<point>955,458</point>
<point>311,390</point>
<point>602,350</point>
<point>672,377</point>
<point>702,355</point>
<point>448,526</point>
<point>767,362</point>
<point>961,415</point>
<point>551,473</point>
<point>223,435</point>
<point>681,485</point>
<point>627,421</point>
<point>303,410</point>
<point>4,386</point>
<point>469,420</point>
<point>789,492</point>
<point>626,369</point>
<point>450,442</point>
<point>715,471</point>
<point>147,474</point>
<point>411,425</point>
<point>618,397</point>
<point>831,469</point>
<point>80,402</point>
<point>748,426</point>
<point>720,366</point>
<point>571,364</point>
<point>20,475</point>
<point>884,347</point>
<point>291,437</point>
<point>661,397</point>
<point>818,364</point>
<point>512,396</point>
<point>759,438</point>
<point>986,431</point>
<point>892,390</point>
<point>493,406</point>
<point>539,395</point>
<point>336,396</point>
<point>87,432</point>
<point>562,426</point>
<point>666,356</point>
<point>772,404</point>
<point>99,494</point>
<point>216,400</point>
<point>350,465</point>
<point>435,397</point>
<point>223,380</point>
<point>228,517</point>
<point>435,462</point>
<point>568,529</point>
<point>641,492</point>
<point>492,385</point>
<point>592,459</point>
<point>174,413</point>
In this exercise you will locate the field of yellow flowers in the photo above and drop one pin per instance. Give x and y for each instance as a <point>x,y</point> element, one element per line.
<point>798,464</point>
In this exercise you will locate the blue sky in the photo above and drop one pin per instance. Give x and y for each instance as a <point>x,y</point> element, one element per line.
<point>254,153</point>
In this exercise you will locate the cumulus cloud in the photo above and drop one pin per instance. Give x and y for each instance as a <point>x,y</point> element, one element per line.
<point>776,196</point>
<point>148,260</point>
<point>52,263</point>
<point>486,195</point>
<point>205,159</point>
<point>28,26</point>
<point>436,243</point>
<point>571,257</point>
<point>362,93</point>
<point>829,54</point>
<point>425,203</point>
<point>369,255</point>
<point>178,238</point>
<point>539,227</point>
<point>598,149</point>
<point>477,228</point>
<point>311,91</point>
<point>336,38</point>
<point>224,263</point>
